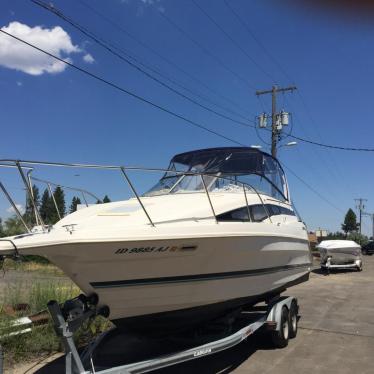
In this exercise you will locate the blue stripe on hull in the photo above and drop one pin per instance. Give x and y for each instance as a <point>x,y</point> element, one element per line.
<point>197,277</point>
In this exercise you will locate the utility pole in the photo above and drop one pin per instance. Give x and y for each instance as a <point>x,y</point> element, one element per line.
<point>372,225</point>
<point>360,207</point>
<point>275,117</point>
<point>371,215</point>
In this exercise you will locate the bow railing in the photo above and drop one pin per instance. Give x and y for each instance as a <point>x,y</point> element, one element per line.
<point>25,167</point>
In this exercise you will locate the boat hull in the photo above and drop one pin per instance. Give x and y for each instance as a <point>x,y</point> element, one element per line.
<point>340,256</point>
<point>181,282</point>
<point>185,319</point>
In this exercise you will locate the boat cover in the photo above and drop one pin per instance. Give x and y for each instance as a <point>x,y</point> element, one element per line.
<point>337,244</point>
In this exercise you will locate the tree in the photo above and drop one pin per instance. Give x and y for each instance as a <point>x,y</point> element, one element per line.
<point>29,215</point>
<point>13,226</point>
<point>106,199</point>
<point>336,236</point>
<point>74,203</point>
<point>358,238</point>
<point>46,207</point>
<point>350,222</point>
<point>59,196</point>
<point>2,233</point>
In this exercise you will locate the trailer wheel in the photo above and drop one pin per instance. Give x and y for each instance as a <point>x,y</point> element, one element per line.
<point>280,338</point>
<point>293,319</point>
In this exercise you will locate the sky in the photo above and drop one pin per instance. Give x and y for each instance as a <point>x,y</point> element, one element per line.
<point>51,112</point>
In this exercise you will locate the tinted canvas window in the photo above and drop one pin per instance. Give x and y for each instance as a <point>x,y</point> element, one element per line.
<point>258,213</point>
<point>287,212</point>
<point>235,215</point>
<point>240,214</point>
<point>274,210</point>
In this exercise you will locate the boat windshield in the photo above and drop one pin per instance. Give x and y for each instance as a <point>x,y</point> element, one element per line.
<point>224,169</point>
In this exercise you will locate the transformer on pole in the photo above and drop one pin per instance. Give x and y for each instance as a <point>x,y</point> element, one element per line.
<point>278,120</point>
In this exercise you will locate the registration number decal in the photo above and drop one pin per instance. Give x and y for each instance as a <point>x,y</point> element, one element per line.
<point>184,248</point>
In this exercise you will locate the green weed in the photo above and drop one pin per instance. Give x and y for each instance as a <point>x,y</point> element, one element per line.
<point>36,290</point>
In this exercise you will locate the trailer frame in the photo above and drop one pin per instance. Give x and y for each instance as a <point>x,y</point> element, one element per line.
<point>67,318</point>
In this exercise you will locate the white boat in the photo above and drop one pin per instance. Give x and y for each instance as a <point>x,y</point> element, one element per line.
<point>340,254</point>
<point>216,233</point>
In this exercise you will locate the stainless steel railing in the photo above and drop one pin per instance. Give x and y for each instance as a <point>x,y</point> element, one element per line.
<point>23,165</point>
<point>30,179</point>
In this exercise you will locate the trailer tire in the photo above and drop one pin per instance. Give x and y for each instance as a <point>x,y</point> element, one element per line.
<point>294,310</point>
<point>280,337</point>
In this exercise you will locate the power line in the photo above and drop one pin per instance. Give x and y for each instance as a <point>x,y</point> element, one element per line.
<point>257,40</point>
<point>123,90</point>
<point>233,41</point>
<point>323,163</point>
<point>206,51</point>
<point>110,49</point>
<point>312,189</point>
<point>107,46</point>
<point>142,99</point>
<point>356,149</point>
<point>320,144</point>
<point>165,59</point>
<point>331,159</point>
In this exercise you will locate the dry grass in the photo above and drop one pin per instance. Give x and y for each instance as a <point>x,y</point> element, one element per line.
<point>35,291</point>
<point>32,266</point>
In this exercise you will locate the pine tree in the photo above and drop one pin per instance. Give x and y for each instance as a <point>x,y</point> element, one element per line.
<point>46,207</point>
<point>350,222</point>
<point>106,199</point>
<point>29,215</point>
<point>2,233</point>
<point>59,196</point>
<point>74,204</point>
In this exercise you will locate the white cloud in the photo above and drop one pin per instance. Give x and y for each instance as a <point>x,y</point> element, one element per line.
<point>19,207</point>
<point>88,58</point>
<point>19,56</point>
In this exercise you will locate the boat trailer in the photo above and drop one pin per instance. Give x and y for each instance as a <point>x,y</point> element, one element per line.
<point>279,316</point>
<point>357,265</point>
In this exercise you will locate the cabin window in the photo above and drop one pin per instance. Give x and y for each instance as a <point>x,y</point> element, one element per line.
<point>274,210</point>
<point>224,169</point>
<point>287,212</point>
<point>258,213</point>
<point>240,214</point>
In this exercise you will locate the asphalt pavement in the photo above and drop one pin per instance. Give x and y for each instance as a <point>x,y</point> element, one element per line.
<point>336,333</point>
